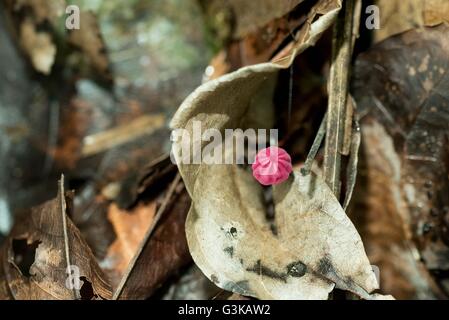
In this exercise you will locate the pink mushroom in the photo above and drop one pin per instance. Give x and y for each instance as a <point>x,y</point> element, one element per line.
<point>272,165</point>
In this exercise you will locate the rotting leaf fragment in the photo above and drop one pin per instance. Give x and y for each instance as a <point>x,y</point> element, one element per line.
<point>401,86</point>
<point>34,257</point>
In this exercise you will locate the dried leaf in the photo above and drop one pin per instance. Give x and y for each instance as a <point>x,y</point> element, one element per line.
<point>380,216</point>
<point>38,45</point>
<point>247,15</point>
<point>236,248</point>
<point>256,47</point>
<point>130,228</point>
<point>397,16</point>
<point>42,9</point>
<point>119,236</point>
<point>89,40</point>
<point>161,255</point>
<point>436,12</point>
<point>123,166</point>
<point>5,294</point>
<point>230,240</point>
<point>150,180</point>
<point>401,86</point>
<point>36,256</point>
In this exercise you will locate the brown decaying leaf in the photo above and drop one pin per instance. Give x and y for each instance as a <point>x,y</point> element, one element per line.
<point>78,118</point>
<point>123,167</point>
<point>5,294</point>
<point>89,40</point>
<point>316,244</point>
<point>117,235</point>
<point>157,170</point>
<point>246,16</point>
<point>36,255</point>
<point>42,10</point>
<point>38,45</point>
<point>397,16</point>
<point>380,214</point>
<point>436,12</point>
<point>136,184</point>
<point>129,228</point>
<point>260,44</point>
<point>162,254</point>
<point>401,86</point>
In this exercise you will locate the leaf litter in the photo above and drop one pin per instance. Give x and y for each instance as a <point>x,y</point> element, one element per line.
<point>128,229</point>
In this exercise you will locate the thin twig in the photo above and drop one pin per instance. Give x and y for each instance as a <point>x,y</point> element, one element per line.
<point>347,135</point>
<point>351,171</point>
<point>105,140</point>
<point>305,170</point>
<point>63,207</point>
<point>148,234</point>
<point>338,92</point>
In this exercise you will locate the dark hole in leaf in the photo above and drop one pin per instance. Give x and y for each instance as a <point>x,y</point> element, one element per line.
<point>86,291</point>
<point>24,254</point>
<point>296,269</point>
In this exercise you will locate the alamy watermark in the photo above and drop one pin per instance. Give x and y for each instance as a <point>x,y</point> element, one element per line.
<point>73,280</point>
<point>373,20</point>
<point>211,146</point>
<point>72,22</point>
